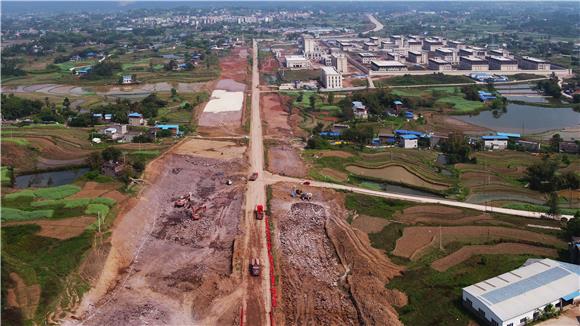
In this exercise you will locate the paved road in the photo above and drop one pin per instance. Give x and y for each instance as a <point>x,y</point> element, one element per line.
<point>378,25</point>
<point>273,178</point>
<point>256,194</point>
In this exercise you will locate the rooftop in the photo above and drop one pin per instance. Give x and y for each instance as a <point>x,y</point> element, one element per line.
<point>329,70</point>
<point>473,59</point>
<point>387,63</point>
<point>295,57</point>
<point>527,288</point>
<point>536,60</point>
<point>366,54</point>
<point>444,50</point>
<point>415,52</point>
<point>502,59</point>
<point>439,61</point>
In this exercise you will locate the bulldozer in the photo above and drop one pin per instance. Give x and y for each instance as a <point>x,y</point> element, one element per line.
<point>196,212</point>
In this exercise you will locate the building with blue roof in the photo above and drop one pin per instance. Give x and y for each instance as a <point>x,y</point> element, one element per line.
<point>136,119</point>
<point>408,132</point>
<point>509,135</point>
<point>409,141</point>
<point>409,115</point>
<point>518,297</point>
<point>495,142</point>
<point>173,128</point>
<point>330,134</point>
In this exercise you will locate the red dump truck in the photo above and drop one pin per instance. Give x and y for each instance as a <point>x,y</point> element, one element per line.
<point>254,176</point>
<point>259,211</point>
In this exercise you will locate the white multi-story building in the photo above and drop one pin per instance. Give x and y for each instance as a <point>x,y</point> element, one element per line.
<point>473,64</point>
<point>447,54</point>
<point>439,64</point>
<point>297,62</point>
<point>418,57</point>
<point>386,65</point>
<point>519,297</point>
<point>502,63</point>
<point>311,48</point>
<point>366,57</point>
<point>330,78</point>
<point>340,62</point>
<point>530,63</point>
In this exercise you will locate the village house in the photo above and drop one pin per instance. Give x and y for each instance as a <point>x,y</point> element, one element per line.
<point>359,110</point>
<point>495,142</point>
<point>115,132</point>
<point>136,119</point>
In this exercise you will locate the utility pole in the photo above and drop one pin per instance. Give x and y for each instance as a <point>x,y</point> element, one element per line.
<point>440,238</point>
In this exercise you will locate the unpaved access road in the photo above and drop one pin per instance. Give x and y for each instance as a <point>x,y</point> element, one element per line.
<point>272,178</point>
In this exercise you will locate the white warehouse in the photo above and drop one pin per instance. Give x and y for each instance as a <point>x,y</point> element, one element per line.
<point>520,296</point>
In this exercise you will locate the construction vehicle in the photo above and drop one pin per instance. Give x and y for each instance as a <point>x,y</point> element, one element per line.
<point>255,267</point>
<point>196,212</point>
<point>183,200</point>
<point>306,196</point>
<point>254,176</point>
<point>259,211</point>
<point>229,182</point>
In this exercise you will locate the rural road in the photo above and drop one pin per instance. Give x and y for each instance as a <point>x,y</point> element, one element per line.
<point>274,178</point>
<point>378,25</point>
<point>256,191</point>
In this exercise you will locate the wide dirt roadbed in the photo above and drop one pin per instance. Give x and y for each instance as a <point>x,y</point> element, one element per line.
<point>183,272</point>
<point>328,273</point>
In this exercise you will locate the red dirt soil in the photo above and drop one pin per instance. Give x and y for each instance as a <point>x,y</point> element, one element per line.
<point>433,214</point>
<point>285,160</point>
<point>275,114</point>
<point>417,239</point>
<point>467,252</point>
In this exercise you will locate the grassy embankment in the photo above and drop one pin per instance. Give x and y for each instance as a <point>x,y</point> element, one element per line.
<point>44,261</point>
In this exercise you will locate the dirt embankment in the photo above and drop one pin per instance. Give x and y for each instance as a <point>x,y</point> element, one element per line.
<point>164,267</point>
<point>467,252</point>
<point>417,239</point>
<point>329,273</point>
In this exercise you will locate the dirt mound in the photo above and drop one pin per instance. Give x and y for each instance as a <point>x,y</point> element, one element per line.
<point>331,153</point>
<point>417,239</point>
<point>284,160</point>
<point>330,275</point>
<point>467,252</point>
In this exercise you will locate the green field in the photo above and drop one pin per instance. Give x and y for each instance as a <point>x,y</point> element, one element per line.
<point>16,140</point>
<point>47,262</point>
<point>460,105</point>
<point>433,79</point>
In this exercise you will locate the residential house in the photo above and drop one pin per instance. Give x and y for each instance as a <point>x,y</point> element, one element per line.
<point>136,119</point>
<point>387,139</point>
<point>359,110</point>
<point>409,141</point>
<point>115,132</point>
<point>173,128</point>
<point>112,168</point>
<point>570,147</point>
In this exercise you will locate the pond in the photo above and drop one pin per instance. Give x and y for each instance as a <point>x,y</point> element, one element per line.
<point>525,119</point>
<point>49,179</point>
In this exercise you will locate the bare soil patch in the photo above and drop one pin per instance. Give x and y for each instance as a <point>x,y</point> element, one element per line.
<point>329,273</point>
<point>22,296</point>
<point>275,114</point>
<point>369,224</point>
<point>331,153</point>
<point>60,229</point>
<point>217,149</point>
<point>284,160</point>
<point>397,174</point>
<point>467,252</point>
<point>337,175</point>
<point>442,215</point>
<point>417,239</point>
<point>182,272</point>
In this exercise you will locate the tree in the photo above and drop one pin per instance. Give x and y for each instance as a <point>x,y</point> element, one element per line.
<point>572,228</point>
<point>555,142</point>
<point>541,175</point>
<point>457,149</point>
<point>66,104</point>
<point>94,161</point>
<point>111,154</point>
<point>312,102</point>
<point>550,87</point>
<point>173,92</point>
<point>470,92</point>
<point>361,136</point>
<point>330,98</point>
<point>552,203</point>
<point>317,142</point>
